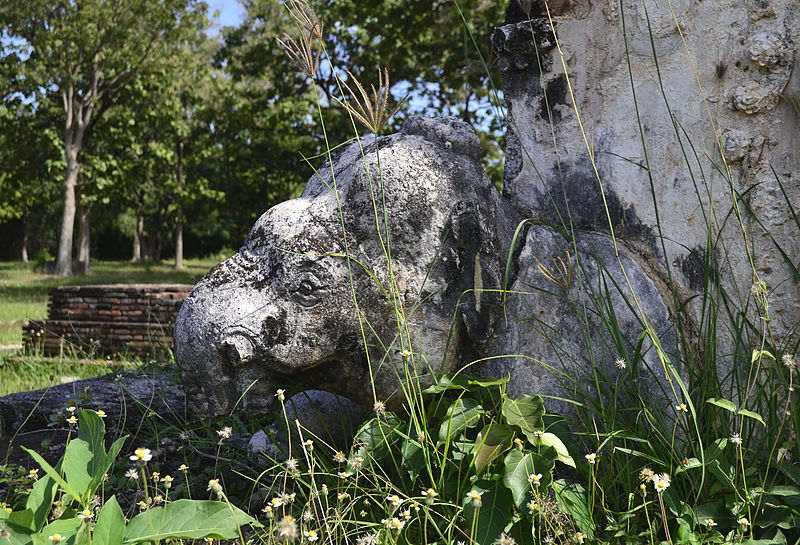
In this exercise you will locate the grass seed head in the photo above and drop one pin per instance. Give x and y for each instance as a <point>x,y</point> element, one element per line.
<point>304,52</point>
<point>371,110</point>
<point>305,17</point>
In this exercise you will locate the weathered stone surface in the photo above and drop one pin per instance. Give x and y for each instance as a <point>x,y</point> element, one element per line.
<point>319,415</point>
<point>325,416</point>
<point>281,312</point>
<point>125,398</point>
<point>719,77</point>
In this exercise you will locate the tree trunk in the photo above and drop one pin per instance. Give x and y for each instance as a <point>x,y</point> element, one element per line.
<point>78,115</point>
<point>25,240</point>
<point>64,258</point>
<point>179,222</point>
<point>137,239</point>
<point>179,243</point>
<point>158,246</point>
<point>84,237</point>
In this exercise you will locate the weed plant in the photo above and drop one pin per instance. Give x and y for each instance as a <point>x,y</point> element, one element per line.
<point>464,462</point>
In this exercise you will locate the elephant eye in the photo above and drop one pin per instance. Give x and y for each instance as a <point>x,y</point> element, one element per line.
<point>307,289</point>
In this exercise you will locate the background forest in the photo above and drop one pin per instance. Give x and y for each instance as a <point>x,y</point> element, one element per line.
<point>160,135</point>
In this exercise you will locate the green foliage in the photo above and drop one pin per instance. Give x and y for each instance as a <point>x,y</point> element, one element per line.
<point>81,56</point>
<point>188,519</point>
<point>76,480</point>
<point>479,445</point>
<point>229,113</point>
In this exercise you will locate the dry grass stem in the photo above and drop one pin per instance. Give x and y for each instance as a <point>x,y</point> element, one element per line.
<point>371,110</point>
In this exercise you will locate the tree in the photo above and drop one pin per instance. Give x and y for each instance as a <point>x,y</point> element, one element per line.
<point>269,109</point>
<point>86,52</point>
<point>180,102</point>
<point>29,153</point>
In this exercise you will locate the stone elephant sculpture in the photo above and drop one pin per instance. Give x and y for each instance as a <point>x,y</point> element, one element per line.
<point>429,240</point>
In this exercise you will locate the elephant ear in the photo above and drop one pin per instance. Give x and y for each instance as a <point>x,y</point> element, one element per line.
<point>479,268</point>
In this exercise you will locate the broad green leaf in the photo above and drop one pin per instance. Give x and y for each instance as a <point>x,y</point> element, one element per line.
<point>21,518</point>
<point>723,471</point>
<point>85,462</point>
<point>731,406</point>
<point>464,382</point>
<point>51,472</point>
<point>552,440</point>
<point>572,499</point>
<point>492,441</point>
<point>40,500</point>
<point>110,527</point>
<point>376,437</point>
<point>188,519</point>
<point>685,535</point>
<point>78,457</point>
<point>460,449</point>
<point>784,490</point>
<point>777,515</point>
<point>716,449</point>
<point>493,515</point>
<point>18,535</point>
<point>67,527</point>
<point>463,414</point>
<point>761,353</point>
<point>716,510</point>
<point>447,382</point>
<point>522,531</point>
<point>526,412</point>
<point>692,463</point>
<point>100,470</point>
<point>753,415</point>
<point>519,467</point>
<point>413,457</point>
<point>790,471</point>
<point>724,403</point>
<point>92,429</point>
<point>777,539</point>
<point>489,381</point>
<point>18,524</point>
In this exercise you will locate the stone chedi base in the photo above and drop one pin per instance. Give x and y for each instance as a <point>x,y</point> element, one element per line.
<point>135,319</point>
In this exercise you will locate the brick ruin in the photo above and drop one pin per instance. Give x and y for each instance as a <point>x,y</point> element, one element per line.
<point>107,319</point>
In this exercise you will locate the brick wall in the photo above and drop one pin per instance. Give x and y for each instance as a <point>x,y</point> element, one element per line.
<point>111,319</point>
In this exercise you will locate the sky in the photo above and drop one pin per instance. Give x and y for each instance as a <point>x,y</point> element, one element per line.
<point>230,12</point>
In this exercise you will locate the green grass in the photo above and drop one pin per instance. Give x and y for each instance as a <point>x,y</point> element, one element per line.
<point>23,373</point>
<point>14,312</point>
<point>23,297</point>
<point>16,276</point>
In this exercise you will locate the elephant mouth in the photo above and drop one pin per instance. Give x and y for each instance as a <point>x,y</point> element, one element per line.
<point>239,347</point>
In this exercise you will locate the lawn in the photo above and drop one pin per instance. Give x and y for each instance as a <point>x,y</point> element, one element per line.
<point>23,297</point>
